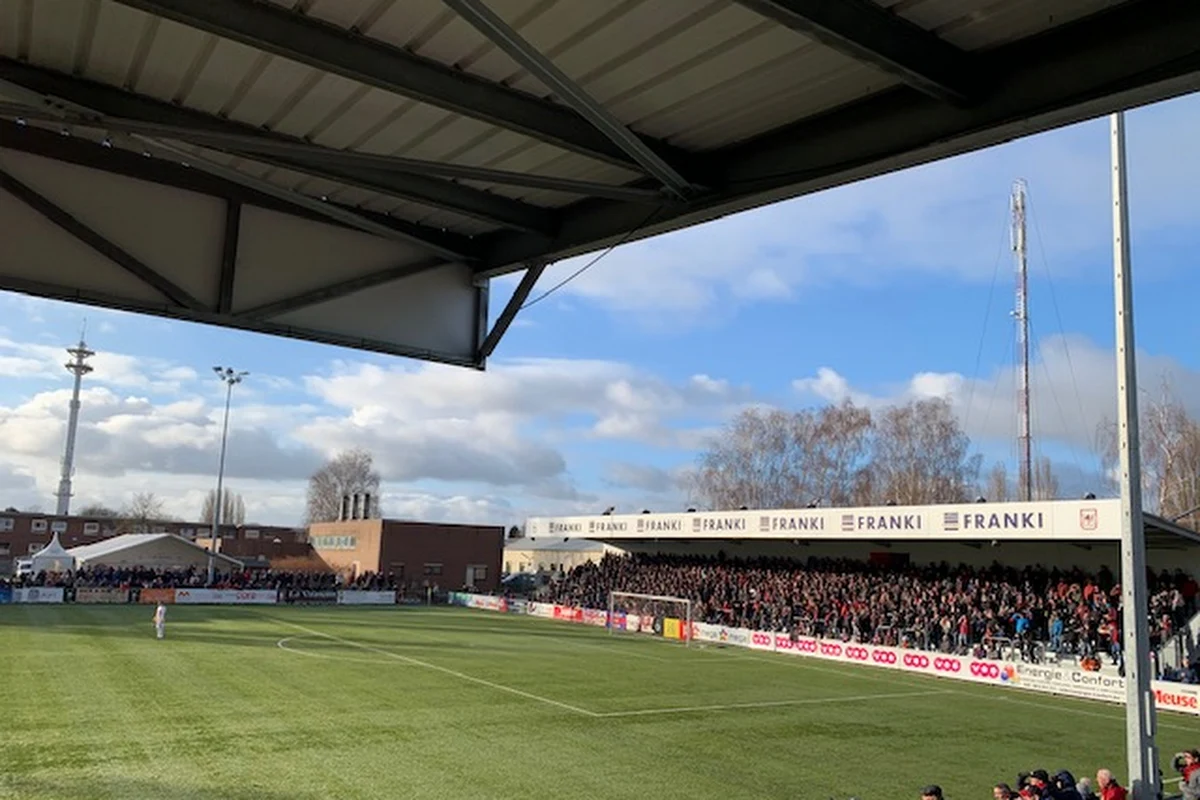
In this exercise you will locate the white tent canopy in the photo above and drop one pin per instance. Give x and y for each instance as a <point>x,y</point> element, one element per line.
<point>52,558</point>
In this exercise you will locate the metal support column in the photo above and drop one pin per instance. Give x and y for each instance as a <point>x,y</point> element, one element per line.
<point>1142,753</point>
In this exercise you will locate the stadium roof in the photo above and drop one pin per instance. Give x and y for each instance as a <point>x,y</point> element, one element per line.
<point>353,171</point>
<point>130,541</point>
<point>1079,521</point>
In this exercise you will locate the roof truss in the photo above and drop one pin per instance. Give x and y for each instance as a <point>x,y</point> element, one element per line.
<point>276,30</point>
<point>868,32</point>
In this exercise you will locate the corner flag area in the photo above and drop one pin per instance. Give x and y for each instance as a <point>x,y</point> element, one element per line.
<point>299,703</point>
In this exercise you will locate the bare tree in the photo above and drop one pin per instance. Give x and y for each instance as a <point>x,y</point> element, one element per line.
<point>1045,482</point>
<point>922,456</point>
<point>350,472</point>
<point>1170,445</point>
<point>837,456</point>
<point>233,508</point>
<point>142,509</point>
<point>997,483</point>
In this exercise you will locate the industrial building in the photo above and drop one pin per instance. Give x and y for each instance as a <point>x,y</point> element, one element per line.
<point>418,554</point>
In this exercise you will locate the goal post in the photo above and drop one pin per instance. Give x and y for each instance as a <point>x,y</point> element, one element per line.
<point>658,615</point>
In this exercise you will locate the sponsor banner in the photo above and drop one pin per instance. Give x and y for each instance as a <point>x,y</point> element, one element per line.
<point>487,602</point>
<point>260,597</point>
<point>568,613</point>
<point>312,596</point>
<point>545,610</point>
<point>1181,697</point>
<point>459,599</point>
<point>5,595</point>
<point>619,620</point>
<point>518,607</point>
<point>348,597</point>
<point>155,596</point>
<point>761,641</point>
<point>672,629</point>
<point>592,616</point>
<point>101,594</point>
<point>38,594</point>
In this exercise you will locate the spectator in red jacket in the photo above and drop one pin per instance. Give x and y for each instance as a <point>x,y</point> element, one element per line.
<point>1108,786</point>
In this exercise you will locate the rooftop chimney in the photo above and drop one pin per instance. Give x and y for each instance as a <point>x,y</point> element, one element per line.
<point>354,507</point>
<point>366,505</point>
<point>345,512</point>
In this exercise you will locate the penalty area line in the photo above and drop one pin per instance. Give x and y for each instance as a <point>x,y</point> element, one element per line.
<point>769,704</point>
<point>444,670</point>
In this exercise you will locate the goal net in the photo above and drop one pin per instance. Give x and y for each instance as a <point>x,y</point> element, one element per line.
<point>657,615</point>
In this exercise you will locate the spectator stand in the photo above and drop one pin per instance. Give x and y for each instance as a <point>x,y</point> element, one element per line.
<point>950,578</point>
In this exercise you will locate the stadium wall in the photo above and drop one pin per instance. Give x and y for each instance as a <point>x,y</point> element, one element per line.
<point>1046,679</point>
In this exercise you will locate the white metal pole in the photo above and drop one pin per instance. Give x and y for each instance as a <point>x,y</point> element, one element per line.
<point>1142,753</point>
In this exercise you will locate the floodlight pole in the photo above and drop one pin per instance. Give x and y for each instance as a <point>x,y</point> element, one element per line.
<point>1142,753</point>
<point>229,377</point>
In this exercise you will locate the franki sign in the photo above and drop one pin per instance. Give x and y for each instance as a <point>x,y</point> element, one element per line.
<point>1087,519</point>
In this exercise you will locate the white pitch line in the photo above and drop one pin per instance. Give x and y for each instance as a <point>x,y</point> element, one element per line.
<point>445,670</point>
<point>282,645</point>
<point>769,704</point>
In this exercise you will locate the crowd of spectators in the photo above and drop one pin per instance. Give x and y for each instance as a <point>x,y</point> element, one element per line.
<point>1040,785</point>
<point>193,578</point>
<point>942,608</point>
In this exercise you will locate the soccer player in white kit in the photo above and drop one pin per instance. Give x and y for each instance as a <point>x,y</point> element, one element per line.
<point>160,621</point>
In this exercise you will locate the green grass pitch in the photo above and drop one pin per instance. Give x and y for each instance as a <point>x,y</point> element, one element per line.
<point>272,703</point>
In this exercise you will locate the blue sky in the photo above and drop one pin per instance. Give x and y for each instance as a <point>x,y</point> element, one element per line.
<point>881,291</point>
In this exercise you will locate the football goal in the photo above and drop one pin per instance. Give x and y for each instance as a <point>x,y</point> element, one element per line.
<point>658,615</point>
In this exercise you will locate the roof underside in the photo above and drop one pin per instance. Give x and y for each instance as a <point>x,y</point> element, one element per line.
<point>352,171</point>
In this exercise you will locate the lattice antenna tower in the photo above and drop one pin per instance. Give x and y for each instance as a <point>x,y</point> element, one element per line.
<point>78,367</point>
<point>1021,315</point>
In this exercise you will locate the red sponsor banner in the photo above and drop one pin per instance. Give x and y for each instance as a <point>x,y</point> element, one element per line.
<point>156,596</point>
<point>568,613</point>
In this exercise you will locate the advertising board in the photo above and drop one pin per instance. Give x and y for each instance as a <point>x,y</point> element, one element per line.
<point>5,595</point>
<point>593,616</point>
<point>1051,679</point>
<point>260,597</point>
<point>38,594</point>
<point>311,596</point>
<point>101,594</point>
<point>155,596</point>
<point>517,606</point>
<point>348,597</point>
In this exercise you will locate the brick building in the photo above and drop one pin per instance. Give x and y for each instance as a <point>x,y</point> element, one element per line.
<point>419,554</point>
<point>23,533</point>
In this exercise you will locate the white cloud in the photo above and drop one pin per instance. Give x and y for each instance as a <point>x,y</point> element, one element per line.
<point>1073,384</point>
<point>947,218</point>
<point>503,436</point>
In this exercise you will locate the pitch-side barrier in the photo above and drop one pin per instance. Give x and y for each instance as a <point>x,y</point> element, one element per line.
<point>110,595</point>
<point>1047,679</point>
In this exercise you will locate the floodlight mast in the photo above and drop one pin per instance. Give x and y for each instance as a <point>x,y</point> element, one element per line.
<point>1140,724</point>
<point>230,377</point>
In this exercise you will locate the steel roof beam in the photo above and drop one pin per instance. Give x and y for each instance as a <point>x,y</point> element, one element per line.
<point>229,253</point>
<point>532,273</point>
<point>349,216</point>
<point>98,242</point>
<point>276,30</point>
<point>1140,52</point>
<point>487,22</point>
<point>105,101</point>
<point>126,163</point>
<point>256,143</point>
<point>868,32</point>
